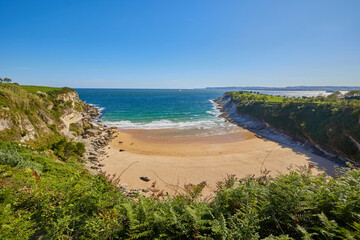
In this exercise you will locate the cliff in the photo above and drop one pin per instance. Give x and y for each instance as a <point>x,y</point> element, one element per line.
<point>329,126</point>
<point>29,113</point>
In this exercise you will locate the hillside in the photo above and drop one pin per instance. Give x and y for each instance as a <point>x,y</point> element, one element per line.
<point>46,191</point>
<point>330,123</point>
<point>29,113</point>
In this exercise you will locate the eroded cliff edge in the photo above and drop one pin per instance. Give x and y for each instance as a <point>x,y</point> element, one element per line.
<point>28,116</point>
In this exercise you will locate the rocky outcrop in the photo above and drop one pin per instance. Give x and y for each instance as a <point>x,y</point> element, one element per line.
<point>5,124</point>
<point>27,116</point>
<point>29,132</point>
<point>71,96</point>
<point>45,117</point>
<point>70,116</point>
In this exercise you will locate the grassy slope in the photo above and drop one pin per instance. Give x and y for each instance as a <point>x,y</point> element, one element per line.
<point>19,103</point>
<point>35,89</point>
<point>327,122</point>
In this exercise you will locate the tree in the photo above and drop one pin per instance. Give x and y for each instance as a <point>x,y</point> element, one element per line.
<point>7,80</point>
<point>353,94</point>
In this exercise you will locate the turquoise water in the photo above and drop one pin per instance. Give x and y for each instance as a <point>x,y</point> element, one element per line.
<point>164,109</point>
<point>156,109</point>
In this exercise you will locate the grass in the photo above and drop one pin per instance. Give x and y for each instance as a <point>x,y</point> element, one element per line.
<point>35,89</point>
<point>252,96</point>
<point>257,97</point>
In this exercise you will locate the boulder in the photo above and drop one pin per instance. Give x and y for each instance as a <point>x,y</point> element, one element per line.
<point>90,132</point>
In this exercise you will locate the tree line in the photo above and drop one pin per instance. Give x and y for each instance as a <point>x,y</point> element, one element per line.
<point>5,80</point>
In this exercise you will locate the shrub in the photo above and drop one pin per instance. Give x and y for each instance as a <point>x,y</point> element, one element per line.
<point>65,149</point>
<point>9,155</point>
<point>66,202</point>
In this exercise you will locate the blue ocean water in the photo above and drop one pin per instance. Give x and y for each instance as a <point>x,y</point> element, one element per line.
<point>163,109</point>
<point>156,109</point>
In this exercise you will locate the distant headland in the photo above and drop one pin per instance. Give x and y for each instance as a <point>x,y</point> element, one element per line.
<point>295,88</point>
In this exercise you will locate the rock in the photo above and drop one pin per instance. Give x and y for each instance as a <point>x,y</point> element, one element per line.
<point>5,123</point>
<point>124,186</point>
<point>90,132</point>
<point>145,179</point>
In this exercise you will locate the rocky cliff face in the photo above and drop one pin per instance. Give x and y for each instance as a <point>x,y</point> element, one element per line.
<point>71,96</point>
<point>27,116</point>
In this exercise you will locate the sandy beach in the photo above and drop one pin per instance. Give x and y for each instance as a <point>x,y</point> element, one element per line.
<point>172,161</point>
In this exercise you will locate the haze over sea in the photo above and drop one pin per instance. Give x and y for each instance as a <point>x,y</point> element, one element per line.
<point>190,110</point>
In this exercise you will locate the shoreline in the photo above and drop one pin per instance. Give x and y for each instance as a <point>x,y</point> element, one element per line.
<point>172,164</point>
<point>228,110</point>
<point>169,163</point>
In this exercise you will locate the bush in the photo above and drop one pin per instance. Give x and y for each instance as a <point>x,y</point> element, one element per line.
<point>65,149</point>
<point>66,202</point>
<point>9,155</point>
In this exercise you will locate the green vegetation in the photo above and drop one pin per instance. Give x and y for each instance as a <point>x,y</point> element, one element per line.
<point>5,80</point>
<point>64,149</point>
<point>9,155</point>
<point>47,193</point>
<point>35,89</point>
<point>65,201</point>
<point>77,129</point>
<point>29,113</point>
<point>331,122</point>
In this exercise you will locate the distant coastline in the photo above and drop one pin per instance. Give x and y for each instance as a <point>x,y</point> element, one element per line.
<point>295,88</point>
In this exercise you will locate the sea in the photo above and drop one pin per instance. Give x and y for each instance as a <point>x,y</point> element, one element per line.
<point>190,110</point>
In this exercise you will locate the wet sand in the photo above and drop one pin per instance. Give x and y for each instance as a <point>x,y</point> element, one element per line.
<point>174,161</point>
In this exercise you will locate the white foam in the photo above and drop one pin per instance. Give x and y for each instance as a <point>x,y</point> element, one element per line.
<point>100,109</point>
<point>167,124</point>
<point>212,113</point>
<point>214,125</point>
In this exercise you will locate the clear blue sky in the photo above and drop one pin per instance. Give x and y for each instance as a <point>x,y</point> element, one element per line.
<point>180,44</point>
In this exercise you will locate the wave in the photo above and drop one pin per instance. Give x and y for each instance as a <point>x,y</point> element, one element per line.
<point>212,113</point>
<point>187,128</point>
<point>213,123</point>
<point>215,109</point>
<point>100,109</point>
<point>167,124</point>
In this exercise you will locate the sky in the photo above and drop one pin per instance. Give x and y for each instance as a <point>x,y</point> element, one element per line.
<point>180,44</point>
